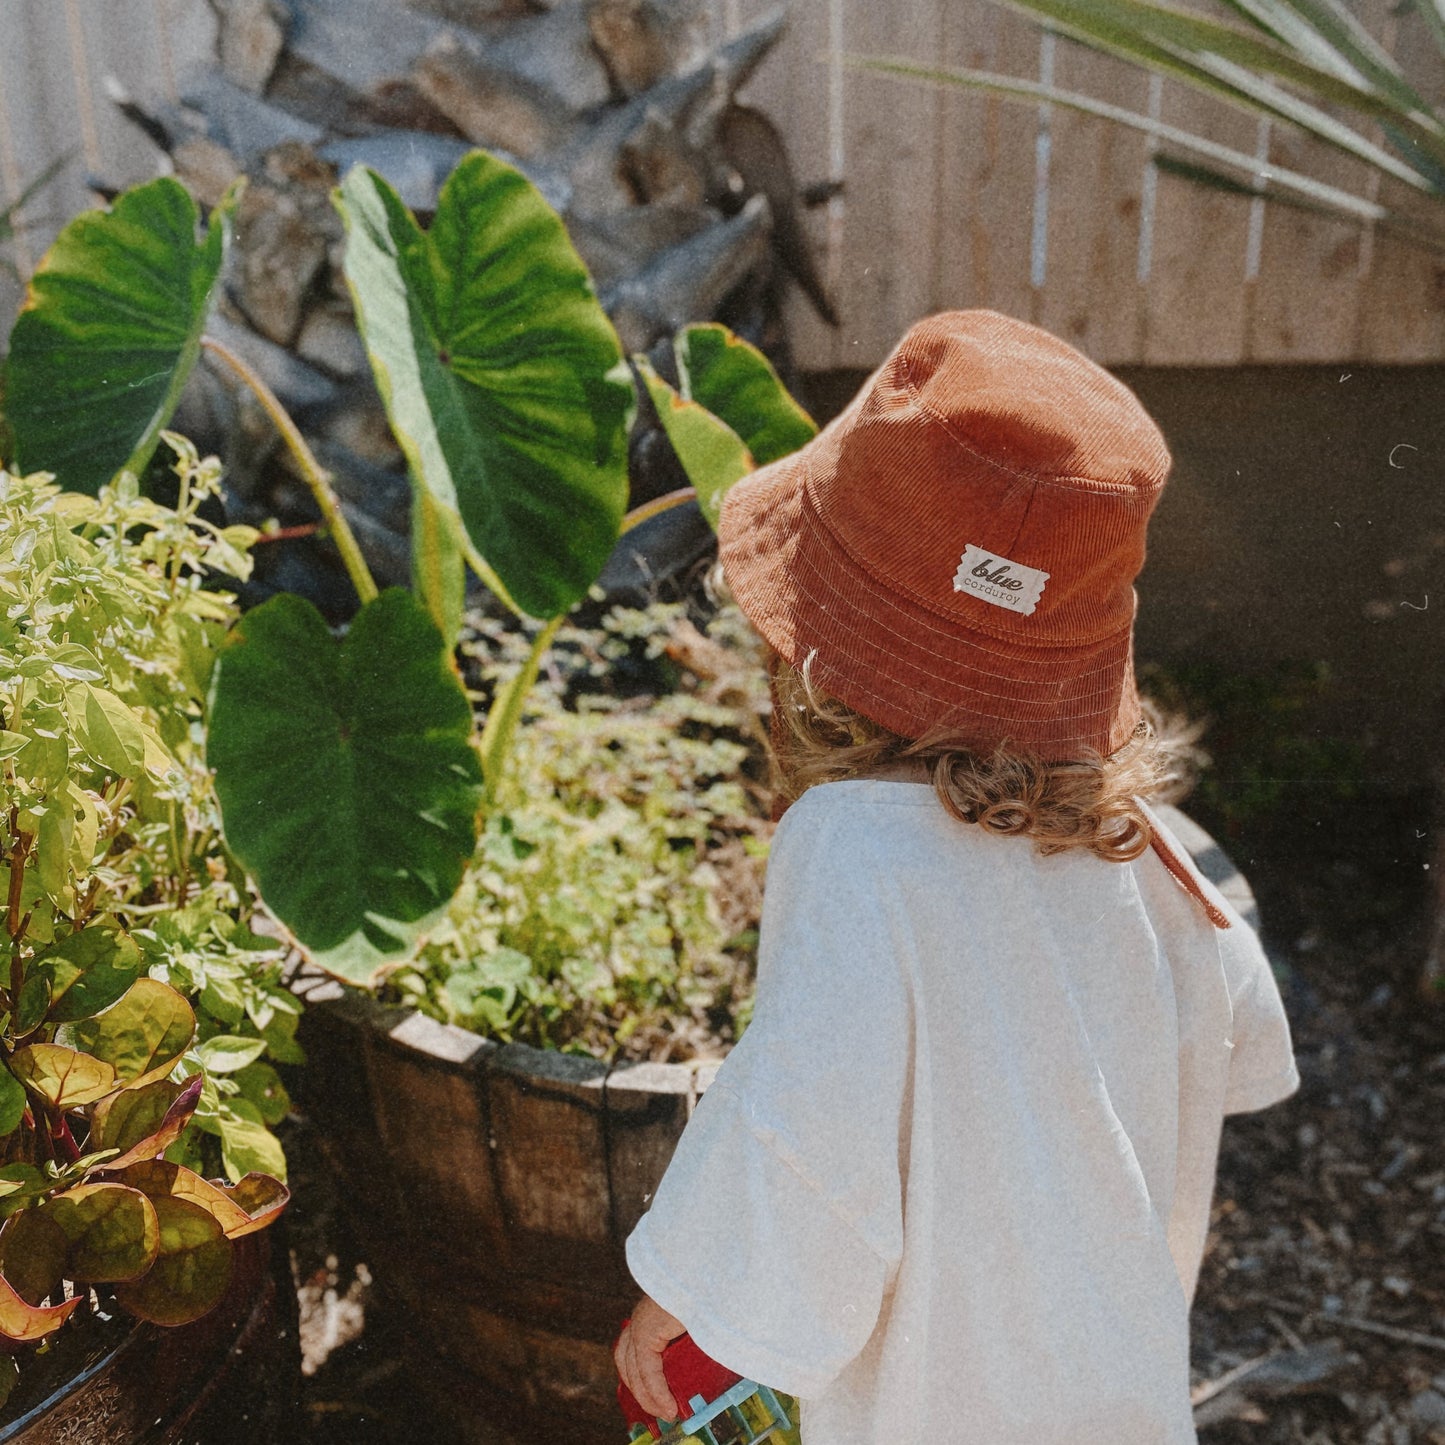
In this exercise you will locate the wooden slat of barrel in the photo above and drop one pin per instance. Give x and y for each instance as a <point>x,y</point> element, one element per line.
<point>647,1106</point>
<point>428,1096</point>
<point>549,1139</point>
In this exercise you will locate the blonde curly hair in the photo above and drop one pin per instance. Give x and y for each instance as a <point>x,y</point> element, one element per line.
<point>1091,802</point>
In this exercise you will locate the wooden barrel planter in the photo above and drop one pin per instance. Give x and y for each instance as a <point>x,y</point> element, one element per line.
<point>229,1378</point>
<point>491,1188</point>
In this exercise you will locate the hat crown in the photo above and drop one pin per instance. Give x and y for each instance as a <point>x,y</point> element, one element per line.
<point>981,432</point>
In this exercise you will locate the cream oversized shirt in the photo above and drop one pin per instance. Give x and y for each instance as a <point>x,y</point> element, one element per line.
<point>954,1183</point>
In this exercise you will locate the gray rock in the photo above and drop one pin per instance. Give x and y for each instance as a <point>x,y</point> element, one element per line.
<point>642,42</point>
<point>302,388</point>
<point>328,338</point>
<point>249,41</point>
<point>552,50</point>
<point>489,105</point>
<point>1428,1408</point>
<point>690,280</point>
<point>360,42</point>
<point>246,125</point>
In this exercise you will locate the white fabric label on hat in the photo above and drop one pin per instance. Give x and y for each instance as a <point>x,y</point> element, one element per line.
<point>995,579</point>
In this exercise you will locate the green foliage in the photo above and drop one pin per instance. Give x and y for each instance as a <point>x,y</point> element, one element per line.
<point>737,382</point>
<point>128,952</point>
<point>730,414</point>
<point>110,332</point>
<point>347,773</point>
<point>500,371</point>
<point>615,880</point>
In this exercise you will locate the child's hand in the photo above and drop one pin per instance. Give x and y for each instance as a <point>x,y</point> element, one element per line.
<point>639,1357</point>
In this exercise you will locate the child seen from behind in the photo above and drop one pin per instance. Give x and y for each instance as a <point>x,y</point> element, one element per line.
<point>954,1182</point>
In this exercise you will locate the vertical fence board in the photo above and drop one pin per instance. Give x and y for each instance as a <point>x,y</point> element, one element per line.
<point>984,198</point>
<point>793,88</point>
<point>122,44</point>
<point>38,93</point>
<point>1402,306</point>
<point>187,31</point>
<point>1195,300</point>
<point>1091,293</point>
<point>1306,302</point>
<point>892,223</point>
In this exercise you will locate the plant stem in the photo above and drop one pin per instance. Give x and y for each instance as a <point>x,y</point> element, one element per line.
<point>312,471</point>
<point>506,711</point>
<point>16,922</point>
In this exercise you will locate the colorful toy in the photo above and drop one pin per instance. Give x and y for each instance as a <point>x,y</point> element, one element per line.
<point>722,1408</point>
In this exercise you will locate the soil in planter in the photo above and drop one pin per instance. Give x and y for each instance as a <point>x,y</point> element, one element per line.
<point>84,1342</point>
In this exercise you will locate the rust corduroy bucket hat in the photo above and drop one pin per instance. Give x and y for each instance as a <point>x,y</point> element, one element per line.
<point>958,549</point>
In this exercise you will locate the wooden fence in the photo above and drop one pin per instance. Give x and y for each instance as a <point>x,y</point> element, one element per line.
<point>952,198</point>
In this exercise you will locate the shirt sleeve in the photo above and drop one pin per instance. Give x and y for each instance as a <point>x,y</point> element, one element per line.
<point>778,1226</point>
<point>1262,1068</point>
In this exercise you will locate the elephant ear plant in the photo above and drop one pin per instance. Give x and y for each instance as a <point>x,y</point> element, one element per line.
<point>350,775</point>
<point>135,1006</point>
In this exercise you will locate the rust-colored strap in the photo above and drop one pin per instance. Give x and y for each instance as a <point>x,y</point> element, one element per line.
<point>1185,877</point>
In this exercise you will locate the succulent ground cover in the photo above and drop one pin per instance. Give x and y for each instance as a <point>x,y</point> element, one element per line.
<point>612,907</point>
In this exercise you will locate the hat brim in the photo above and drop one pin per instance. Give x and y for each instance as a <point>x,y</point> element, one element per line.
<point>908,668</point>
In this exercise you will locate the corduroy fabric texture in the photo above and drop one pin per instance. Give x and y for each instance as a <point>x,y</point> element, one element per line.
<point>981,432</point>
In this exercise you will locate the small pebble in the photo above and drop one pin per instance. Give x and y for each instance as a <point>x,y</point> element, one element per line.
<point>1428,1408</point>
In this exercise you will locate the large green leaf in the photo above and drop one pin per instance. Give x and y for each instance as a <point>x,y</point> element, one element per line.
<point>12,1101</point>
<point>110,331</point>
<point>438,569</point>
<point>736,382</point>
<point>160,1179</point>
<point>143,1122</point>
<point>347,780</point>
<point>143,1035</point>
<point>33,1250</point>
<point>262,1197</point>
<point>500,372</point>
<point>247,1145</point>
<point>20,1320</point>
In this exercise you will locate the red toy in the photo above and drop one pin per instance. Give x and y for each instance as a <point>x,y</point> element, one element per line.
<point>689,1373</point>
<point>718,1406</point>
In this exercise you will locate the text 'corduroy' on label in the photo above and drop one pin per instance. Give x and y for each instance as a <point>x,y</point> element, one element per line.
<point>996,579</point>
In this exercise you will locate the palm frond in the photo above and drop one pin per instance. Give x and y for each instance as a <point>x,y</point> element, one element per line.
<point>1274,182</point>
<point>1259,73</point>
